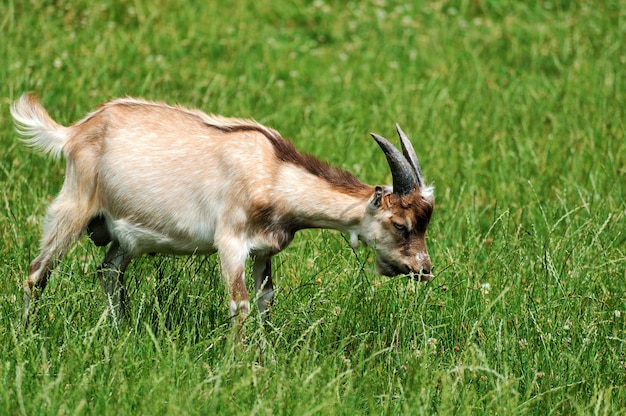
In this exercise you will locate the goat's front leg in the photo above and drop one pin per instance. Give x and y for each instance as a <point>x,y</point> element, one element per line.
<point>233,257</point>
<point>262,270</point>
<point>111,275</point>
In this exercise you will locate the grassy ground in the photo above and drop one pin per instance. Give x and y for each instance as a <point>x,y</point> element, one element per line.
<point>517,111</point>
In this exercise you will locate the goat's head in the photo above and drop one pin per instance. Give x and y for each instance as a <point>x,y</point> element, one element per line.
<point>397,217</point>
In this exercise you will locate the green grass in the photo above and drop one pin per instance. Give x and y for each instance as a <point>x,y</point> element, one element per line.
<point>517,112</point>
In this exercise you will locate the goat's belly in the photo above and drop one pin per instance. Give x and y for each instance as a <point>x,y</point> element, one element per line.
<point>139,239</point>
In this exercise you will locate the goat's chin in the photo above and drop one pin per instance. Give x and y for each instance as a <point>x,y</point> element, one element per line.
<point>388,269</point>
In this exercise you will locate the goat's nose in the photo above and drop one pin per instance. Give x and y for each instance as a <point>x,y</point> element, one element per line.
<point>423,274</point>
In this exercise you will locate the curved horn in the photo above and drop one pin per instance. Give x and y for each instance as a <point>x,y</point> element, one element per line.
<point>403,174</point>
<point>409,153</point>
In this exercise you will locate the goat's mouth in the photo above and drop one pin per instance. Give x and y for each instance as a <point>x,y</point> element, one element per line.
<point>389,269</point>
<point>421,276</point>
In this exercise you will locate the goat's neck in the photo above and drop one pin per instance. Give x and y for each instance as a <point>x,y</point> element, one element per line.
<point>317,203</point>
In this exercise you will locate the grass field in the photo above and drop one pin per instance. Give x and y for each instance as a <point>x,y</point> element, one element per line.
<point>517,112</point>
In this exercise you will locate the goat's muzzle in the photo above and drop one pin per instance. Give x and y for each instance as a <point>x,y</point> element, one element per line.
<point>386,268</point>
<point>423,276</point>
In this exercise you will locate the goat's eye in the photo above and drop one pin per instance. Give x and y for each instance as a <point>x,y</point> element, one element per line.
<point>399,227</point>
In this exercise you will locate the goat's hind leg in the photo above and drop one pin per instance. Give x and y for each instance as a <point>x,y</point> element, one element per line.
<point>64,224</point>
<point>111,276</point>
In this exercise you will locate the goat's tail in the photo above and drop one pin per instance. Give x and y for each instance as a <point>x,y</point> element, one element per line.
<point>36,127</point>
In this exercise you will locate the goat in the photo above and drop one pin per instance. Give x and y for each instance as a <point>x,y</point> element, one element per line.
<point>146,177</point>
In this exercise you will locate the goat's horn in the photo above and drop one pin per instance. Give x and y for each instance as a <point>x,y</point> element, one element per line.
<point>403,174</point>
<point>409,154</point>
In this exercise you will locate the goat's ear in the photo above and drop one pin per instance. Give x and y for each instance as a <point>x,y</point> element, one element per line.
<point>377,198</point>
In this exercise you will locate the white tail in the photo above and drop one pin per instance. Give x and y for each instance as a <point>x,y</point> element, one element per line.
<point>38,129</point>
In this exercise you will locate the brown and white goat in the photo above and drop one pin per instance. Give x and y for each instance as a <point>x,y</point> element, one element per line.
<point>146,177</point>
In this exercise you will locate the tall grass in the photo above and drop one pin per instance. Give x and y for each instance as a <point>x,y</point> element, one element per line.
<point>517,112</point>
